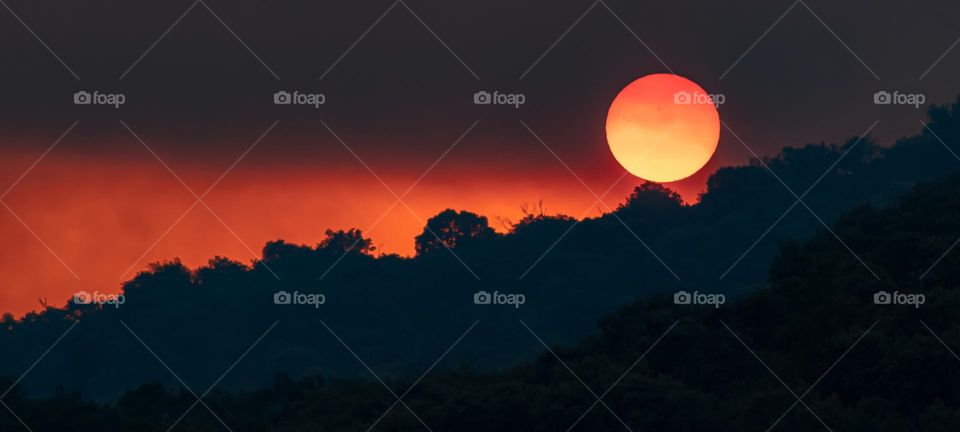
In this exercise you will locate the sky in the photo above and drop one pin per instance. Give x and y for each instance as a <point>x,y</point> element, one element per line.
<point>93,193</point>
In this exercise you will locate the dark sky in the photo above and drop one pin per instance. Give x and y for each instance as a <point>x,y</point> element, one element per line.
<point>801,82</point>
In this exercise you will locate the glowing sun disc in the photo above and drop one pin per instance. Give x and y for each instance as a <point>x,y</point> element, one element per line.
<point>663,127</point>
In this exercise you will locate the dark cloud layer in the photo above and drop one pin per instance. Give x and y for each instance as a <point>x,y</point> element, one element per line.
<point>402,87</point>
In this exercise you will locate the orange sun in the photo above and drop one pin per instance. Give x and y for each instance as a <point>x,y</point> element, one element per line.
<point>663,127</point>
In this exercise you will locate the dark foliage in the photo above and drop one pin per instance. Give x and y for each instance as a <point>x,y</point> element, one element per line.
<point>858,366</point>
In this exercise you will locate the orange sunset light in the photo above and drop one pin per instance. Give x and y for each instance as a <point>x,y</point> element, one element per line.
<point>663,127</point>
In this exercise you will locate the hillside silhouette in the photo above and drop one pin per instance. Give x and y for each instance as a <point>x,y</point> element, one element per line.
<point>400,314</point>
<point>853,364</point>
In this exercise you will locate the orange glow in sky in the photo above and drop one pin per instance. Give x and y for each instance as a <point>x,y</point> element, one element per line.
<point>98,209</point>
<point>107,221</point>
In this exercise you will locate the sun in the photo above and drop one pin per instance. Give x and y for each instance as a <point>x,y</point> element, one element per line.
<point>663,127</point>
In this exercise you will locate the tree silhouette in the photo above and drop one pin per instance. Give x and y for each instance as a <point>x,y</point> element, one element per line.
<point>450,229</point>
<point>888,367</point>
<point>344,242</point>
